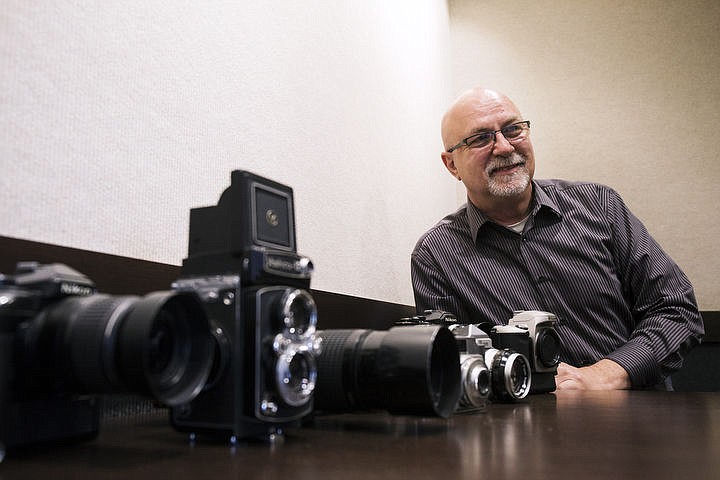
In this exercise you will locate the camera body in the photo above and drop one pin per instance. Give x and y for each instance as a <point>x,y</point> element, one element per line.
<point>243,265</point>
<point>29,411</point>
<point>63,344</point>
<point>541,346</point>
<point>487,372</point>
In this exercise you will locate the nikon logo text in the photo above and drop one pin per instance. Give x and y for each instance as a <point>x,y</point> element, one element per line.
<point>75,289</point>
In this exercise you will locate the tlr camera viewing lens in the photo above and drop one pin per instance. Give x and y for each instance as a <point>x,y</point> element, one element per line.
<point>299,313</point>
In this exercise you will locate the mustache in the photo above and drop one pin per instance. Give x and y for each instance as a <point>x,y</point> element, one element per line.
<point>503,162</point>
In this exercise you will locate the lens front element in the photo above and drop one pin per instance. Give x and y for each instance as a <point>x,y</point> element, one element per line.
<point>296,373</point>
<point>299,313</point>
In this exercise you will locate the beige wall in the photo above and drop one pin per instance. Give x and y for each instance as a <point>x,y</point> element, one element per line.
<point>622,93</point>
<point>117,117</point>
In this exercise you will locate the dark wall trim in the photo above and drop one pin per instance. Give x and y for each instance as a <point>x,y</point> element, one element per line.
<point>711,318</point>
<point>123,275</point>
<point>128,276</point>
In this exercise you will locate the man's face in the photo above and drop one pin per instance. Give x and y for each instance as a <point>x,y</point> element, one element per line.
<point>498,170</point>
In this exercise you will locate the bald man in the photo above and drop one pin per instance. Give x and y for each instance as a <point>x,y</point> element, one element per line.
<point>626,312</point>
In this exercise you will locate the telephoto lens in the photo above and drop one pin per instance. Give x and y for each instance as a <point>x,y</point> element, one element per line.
<point>157,345</point>
<point>63,344</point>
<point>408,370</point>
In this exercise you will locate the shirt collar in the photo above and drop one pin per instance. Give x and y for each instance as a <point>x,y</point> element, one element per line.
<point>476,218</point>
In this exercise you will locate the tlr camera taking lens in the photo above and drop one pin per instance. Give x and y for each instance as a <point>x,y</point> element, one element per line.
<point>242,263</point>
<point>62,344</point>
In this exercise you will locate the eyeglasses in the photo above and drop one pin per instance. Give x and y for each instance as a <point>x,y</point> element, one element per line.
<point>513,133</point>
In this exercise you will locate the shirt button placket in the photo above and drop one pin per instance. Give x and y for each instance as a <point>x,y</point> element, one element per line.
<point>540,281</point>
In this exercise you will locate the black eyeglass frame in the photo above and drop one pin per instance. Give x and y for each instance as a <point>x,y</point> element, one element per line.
<point>465,141</point>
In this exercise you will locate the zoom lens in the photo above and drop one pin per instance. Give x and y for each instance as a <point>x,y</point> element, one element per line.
<point>404,370</point>
<point>158,345</point>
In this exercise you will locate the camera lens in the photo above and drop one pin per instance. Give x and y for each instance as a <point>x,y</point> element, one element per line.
<point>405,370</point>
<point>510,373</point>
<point>161,342</point>
<point>158,345</point>
<point>296,373</point>
<point>299,313</point>
<point>547,347</point>
<point>475,381</point>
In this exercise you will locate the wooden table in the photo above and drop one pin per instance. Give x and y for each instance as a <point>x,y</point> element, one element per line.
<point>578,435</point>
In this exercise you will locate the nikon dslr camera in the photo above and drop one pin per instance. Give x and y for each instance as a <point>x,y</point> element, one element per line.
<point>62,345</point>
<point>242,263</point>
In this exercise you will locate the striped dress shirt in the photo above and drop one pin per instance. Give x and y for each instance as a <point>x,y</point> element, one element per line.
<point>584,257</point>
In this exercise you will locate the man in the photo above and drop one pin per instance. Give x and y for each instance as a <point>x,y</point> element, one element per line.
<point>626,312</point>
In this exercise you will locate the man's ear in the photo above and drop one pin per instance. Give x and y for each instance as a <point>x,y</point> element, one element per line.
<point>449,162</point>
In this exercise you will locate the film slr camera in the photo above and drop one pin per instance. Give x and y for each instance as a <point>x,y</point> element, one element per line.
<point>506,363</point>
<point>243,265</point>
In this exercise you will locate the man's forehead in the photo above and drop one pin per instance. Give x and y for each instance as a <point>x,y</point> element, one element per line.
<point>479,113</point>
<point>490,103</point>
<point>477,109</point>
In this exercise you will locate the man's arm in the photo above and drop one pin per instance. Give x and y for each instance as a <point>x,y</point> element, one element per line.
<point>666,316</point>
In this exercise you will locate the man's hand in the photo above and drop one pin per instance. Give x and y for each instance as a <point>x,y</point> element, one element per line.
<point>603,375</point>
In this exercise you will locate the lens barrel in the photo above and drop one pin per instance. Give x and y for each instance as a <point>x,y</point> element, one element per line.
<point>411,370</point>
<point>295,375</point>
<point>547,348</point>
<point>476,381</point>
<point>158,345</point>
<point>510,372</point>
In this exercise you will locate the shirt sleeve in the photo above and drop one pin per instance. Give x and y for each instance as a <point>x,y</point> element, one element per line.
<point>666,318</point>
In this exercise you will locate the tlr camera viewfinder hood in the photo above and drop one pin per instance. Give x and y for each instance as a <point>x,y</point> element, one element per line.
<point>266,220</point>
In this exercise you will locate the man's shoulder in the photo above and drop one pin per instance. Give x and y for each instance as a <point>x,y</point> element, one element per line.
<point>450,227</point>
<point>558,188</point>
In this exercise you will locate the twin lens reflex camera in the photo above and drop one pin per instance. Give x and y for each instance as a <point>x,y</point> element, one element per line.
<point>243,265</point>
